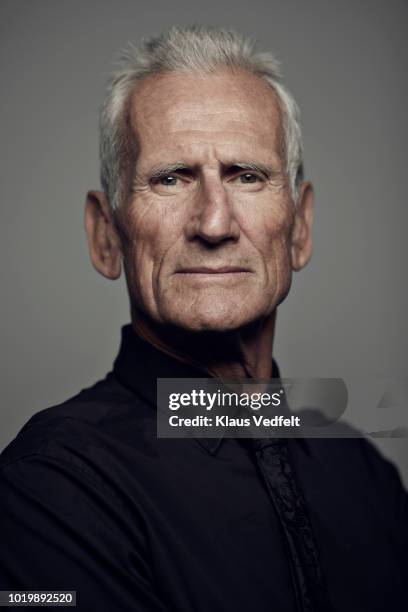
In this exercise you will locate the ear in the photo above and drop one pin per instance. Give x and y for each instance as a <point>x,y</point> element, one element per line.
<point>103,239</point>
<point>301,246</point>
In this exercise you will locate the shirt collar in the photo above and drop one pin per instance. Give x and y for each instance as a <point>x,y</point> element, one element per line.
<point>139,364</point>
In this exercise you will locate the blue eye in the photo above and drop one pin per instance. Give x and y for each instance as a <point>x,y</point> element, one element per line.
<point>248,178</point>
<point>168,180</point>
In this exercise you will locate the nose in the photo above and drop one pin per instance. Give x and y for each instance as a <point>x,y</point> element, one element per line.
<point>212,219</point>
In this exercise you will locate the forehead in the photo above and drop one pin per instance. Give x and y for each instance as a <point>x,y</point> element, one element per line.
<point>236,113</point>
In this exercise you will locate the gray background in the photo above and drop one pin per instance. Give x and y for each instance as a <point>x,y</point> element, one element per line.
<point>345,61</point>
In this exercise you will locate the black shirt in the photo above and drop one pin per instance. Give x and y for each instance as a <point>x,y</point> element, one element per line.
<point>92,501</point>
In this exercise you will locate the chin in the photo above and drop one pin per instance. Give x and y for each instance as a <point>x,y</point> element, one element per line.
<point>214,318</point>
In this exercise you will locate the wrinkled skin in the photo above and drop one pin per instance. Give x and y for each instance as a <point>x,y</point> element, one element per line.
<point>210,233</point>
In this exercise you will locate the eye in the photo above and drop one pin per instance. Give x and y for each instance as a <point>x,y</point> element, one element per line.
<point>248,178</point>
<point>170,183</point>
<point>169,180</point>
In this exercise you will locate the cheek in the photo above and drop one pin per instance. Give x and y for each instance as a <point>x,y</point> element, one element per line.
<point>270,229</point>
<point>272,239</point>
<point>152,230</point>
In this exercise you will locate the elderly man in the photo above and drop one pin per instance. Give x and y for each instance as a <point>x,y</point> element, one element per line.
<point>205,205</point>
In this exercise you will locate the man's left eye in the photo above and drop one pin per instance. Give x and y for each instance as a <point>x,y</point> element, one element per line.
<point>248,178</point>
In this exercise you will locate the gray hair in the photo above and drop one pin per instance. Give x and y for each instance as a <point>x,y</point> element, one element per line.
<point>191,49</point>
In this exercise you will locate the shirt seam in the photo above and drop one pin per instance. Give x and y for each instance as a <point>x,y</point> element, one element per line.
<point>70,466</point>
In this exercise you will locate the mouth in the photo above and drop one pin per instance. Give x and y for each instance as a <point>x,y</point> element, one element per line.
<point>213,271</point>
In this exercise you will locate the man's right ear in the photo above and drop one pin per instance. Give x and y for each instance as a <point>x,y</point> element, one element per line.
<point>104,242</point>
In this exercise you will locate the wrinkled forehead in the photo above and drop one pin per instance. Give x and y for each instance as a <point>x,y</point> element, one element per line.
<point>237,106</point>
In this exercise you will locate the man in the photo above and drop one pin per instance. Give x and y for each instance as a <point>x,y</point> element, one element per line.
<point>205,206</point>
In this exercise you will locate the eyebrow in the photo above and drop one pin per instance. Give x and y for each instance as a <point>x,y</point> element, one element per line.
<point>265,169</point>
<point>162,170</point>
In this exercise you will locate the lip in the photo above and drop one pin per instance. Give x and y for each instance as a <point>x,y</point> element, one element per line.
<point>207,270</point>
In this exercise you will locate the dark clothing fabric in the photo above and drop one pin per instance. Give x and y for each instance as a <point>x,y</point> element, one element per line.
<point>92,501</point>
<point>277,469</point>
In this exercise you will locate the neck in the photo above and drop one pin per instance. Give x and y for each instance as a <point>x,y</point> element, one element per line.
<point>242,353</point>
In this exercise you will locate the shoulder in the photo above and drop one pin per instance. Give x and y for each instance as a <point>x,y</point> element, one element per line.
<point>354,455</point>
<point>95,418</point>
<point>63,518</point>
<point>352,469</point>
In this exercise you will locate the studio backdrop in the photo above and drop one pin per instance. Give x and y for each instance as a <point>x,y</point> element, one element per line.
<point>345,316</point>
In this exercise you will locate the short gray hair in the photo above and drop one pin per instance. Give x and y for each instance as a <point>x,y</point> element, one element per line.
<point>191,49</point>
